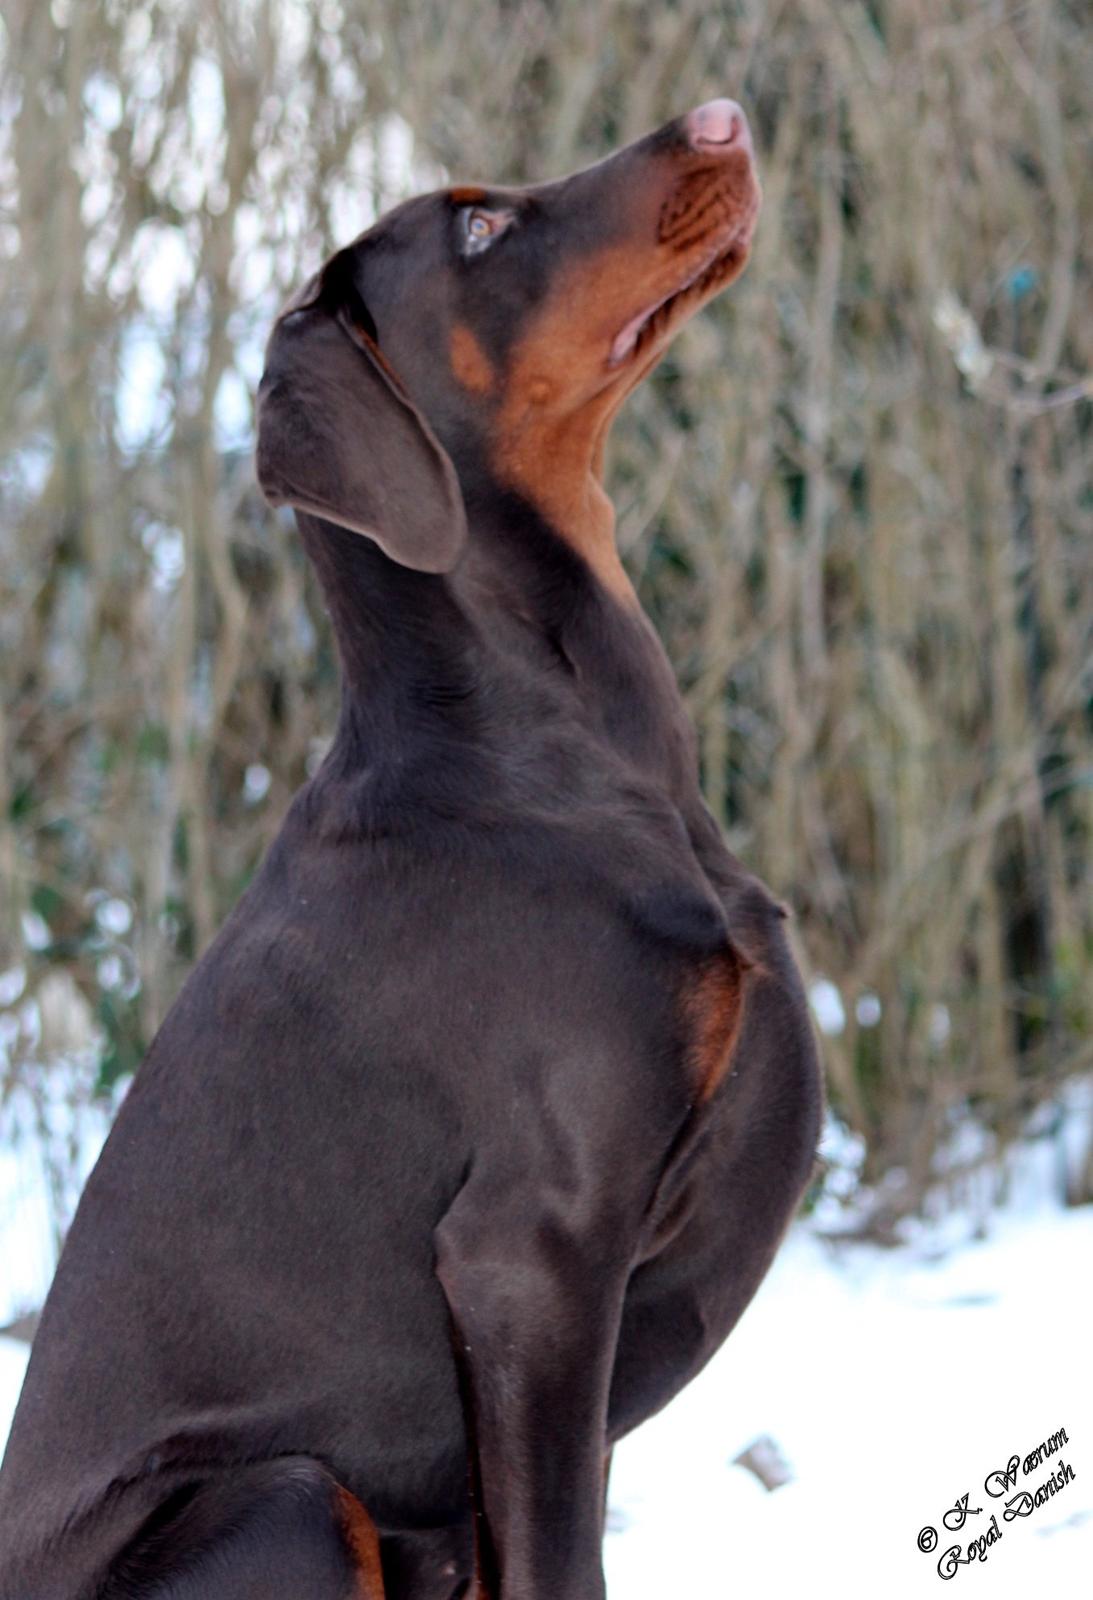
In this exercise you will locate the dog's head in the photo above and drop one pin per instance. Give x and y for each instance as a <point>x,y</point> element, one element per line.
<point>503,325</point>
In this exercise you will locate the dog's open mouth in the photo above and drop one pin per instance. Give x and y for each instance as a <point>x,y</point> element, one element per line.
<point>712,270</point>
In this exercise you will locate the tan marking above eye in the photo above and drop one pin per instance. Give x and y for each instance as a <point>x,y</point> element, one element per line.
<point>467,195</point>
<point>471,366</point>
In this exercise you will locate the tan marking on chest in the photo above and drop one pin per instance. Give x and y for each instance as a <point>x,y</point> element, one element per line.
<point>471,365</point>
<point>363,1544</point>
<point>713,1003</point>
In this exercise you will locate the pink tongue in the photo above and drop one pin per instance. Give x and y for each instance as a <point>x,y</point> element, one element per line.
<point>626,338</point>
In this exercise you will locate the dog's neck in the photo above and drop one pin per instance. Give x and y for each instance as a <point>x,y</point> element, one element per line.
<point>402,635</point>
<point>558,469</point>
<point>423,656</point>
<point>538,599</point>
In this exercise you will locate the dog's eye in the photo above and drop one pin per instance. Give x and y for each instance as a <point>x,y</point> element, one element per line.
<point>479,228</point>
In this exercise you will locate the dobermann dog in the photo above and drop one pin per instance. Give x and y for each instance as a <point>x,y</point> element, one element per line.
<point>478,1125</point>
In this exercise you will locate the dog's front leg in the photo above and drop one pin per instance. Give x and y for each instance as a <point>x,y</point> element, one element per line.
<point>536,1303</point>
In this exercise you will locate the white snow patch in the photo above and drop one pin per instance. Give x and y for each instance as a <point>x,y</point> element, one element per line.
<point>827,1006</point>
<point>892,1384</point>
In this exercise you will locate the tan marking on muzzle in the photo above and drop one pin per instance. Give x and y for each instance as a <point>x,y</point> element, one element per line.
<point>559,398</point>
<point>561,393</point>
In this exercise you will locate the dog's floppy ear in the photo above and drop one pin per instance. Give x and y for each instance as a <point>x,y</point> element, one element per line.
<point>339,437</point>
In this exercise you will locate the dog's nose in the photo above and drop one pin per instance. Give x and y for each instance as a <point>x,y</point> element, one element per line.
<point>718,125</point>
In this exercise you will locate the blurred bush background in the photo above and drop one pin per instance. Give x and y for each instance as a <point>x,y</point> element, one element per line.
<point>856,498</point>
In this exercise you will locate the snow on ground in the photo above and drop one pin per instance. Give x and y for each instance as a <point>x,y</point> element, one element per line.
<point>893,1382</point>
<point>13,1361</point>
<point>893,1385</point>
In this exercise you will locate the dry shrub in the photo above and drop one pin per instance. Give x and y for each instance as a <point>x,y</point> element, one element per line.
<point>856,498</point>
